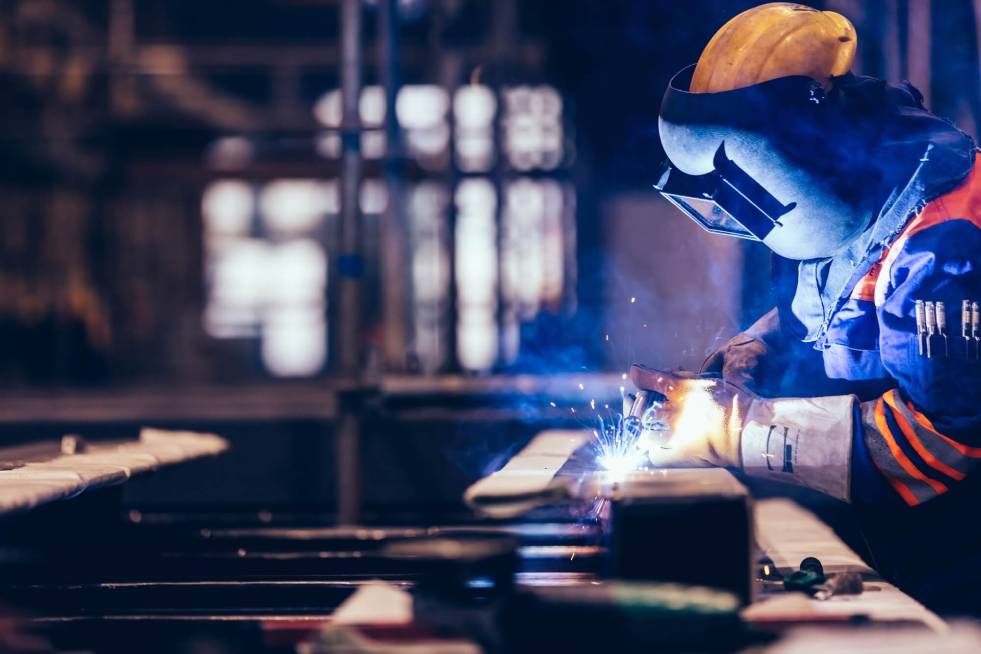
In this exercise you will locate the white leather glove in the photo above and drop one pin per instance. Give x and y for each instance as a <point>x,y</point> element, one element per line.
<point>713,422</point>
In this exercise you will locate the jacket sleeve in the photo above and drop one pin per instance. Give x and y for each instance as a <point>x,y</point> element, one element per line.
<point>920,439</point>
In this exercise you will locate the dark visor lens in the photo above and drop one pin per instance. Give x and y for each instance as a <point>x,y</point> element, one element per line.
<point>725,201</point>
<point>709,215</point>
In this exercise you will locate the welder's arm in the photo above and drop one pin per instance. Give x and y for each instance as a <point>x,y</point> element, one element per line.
<point>924,437</point>
<point>742,359</point>
<point>805,441</point>
<point>918,440</point>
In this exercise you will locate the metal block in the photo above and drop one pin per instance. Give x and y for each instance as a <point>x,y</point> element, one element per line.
<point>689,526</point>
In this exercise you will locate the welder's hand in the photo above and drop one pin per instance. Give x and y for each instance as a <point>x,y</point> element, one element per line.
<point>739,361</point>
<point>704,418</point>
<point>749,359</point>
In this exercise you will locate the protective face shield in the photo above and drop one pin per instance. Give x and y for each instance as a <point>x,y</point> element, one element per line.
<point>778,162</point>
<point>725,201</point>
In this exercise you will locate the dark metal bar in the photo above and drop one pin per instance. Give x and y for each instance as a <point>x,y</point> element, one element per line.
<point>350,268</point>
<point>394,233</point>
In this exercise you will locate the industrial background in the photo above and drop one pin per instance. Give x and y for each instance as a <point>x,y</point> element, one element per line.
<point>377,248</point>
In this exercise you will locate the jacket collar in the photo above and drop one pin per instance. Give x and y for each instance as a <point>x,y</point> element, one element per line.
<point>942,157</point>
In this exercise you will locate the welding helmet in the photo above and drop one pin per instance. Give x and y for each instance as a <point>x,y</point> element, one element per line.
<point>781,162</point>
<point>759,144</point>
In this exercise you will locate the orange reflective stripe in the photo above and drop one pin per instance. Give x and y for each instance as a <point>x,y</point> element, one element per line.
<point>973,452</point>
<point>900,487</point>
<point>963,203</point>
<point>865,287</point>
<point>880,421</point>
<point>914,440</point>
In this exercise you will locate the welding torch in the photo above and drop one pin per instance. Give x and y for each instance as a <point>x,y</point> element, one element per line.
<point>645,399</point>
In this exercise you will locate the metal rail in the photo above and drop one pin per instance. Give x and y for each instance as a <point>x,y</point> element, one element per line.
<point>350,269</point>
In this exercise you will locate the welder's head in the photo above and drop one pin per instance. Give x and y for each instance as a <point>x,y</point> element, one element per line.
<point>758,145</point>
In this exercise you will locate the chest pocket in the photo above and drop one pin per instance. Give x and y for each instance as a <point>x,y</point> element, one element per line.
<point>855,326</point>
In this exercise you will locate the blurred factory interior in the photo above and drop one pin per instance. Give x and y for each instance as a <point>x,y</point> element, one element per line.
<point>176,248</point>
<point>375,245</point>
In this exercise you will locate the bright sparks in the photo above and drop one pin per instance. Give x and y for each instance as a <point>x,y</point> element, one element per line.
<point>619,450</point>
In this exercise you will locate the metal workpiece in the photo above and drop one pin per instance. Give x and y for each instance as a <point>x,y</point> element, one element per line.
<point>634,417</point>
<point>710,537</point>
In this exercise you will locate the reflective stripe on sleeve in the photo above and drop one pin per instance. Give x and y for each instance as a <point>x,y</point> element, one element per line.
<point>909,482</point>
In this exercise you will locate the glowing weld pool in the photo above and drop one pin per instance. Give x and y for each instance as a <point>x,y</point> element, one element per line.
<point>620,447</point>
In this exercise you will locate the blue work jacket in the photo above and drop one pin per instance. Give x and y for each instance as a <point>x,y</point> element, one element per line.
<point>917,444</point>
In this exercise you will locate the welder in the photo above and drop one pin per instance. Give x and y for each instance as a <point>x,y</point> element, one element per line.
<point>864,381</point>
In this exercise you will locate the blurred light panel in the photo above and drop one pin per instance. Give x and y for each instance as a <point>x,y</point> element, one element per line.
<point>422,112</point>
<point>430,270</point>
<point>373,197</point>
<point>294,343</point>
<point>267,279</point>
<point>328,111</point>
<point>537,254</point>
<point>237,287</point>
<point>227,208</point>
<point>294,206</point>
<point>371,106</point>
<point>294,330</point>
<point>297,274</point>
<point>474,109</point>
<point>476,274</point>
<point>421,106</point>
<point>532,124</point>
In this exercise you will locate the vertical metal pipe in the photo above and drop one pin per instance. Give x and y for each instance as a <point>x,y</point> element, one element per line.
<point>350,261</point>
<point>504,33</point>
<point>918,48</point>
<point>350,268</point>
<point>122,43</point>
<point>394,235</point>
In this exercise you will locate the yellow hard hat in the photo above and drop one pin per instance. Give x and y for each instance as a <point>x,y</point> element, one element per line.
<point>778,39</point>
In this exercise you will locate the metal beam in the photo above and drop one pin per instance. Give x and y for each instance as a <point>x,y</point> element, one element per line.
<point>394,234</point>
<point>350,268</point>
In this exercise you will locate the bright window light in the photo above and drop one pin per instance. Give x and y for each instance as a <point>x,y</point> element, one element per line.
<point>271,288</point>
<point>533,133</point>
<point>227,208</point>
<point>293,206</point>
<point>427,208</point>
<point>474,105</point>
<point>476,274</point>
<point>421,106</point>
<point>294,342</point>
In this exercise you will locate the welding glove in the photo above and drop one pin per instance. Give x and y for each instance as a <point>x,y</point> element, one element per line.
<point>713,422</point>
<point>742,360</point>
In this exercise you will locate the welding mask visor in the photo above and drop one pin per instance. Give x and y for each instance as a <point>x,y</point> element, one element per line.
<point>726,201</point>
<point>778,162</point>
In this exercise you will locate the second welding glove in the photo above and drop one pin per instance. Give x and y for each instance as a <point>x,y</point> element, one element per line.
<point>749,359</point>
